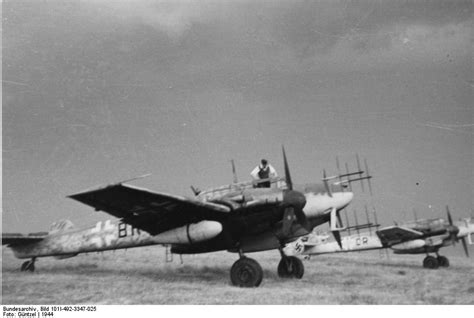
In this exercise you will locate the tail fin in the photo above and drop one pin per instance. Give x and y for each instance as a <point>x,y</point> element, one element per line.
<point>61,226</point>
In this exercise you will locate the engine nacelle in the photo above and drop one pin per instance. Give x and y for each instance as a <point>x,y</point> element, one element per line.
<point>408,245</point>
<point>190,233</point>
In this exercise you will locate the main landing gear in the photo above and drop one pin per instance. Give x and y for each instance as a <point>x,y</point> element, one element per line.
<point>28,266</point>
<point>290,267</point>
<point>246,272</point>
<point>432,262</point>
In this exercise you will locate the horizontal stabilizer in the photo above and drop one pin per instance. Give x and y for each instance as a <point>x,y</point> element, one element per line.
<point>17,239</point>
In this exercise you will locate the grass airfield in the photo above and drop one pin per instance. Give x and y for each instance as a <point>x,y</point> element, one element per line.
<point>142,276</point>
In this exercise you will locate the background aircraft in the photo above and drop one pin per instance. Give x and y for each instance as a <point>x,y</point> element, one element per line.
<point>418,237</point>
<point>237,218</point>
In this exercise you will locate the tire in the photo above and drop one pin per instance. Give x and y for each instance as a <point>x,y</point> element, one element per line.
<point>24,266</point>
<point>430,262</point>
<point>28,266</point>
<point>246,272</point>
<point>290,267</point>
<point>443,261</point>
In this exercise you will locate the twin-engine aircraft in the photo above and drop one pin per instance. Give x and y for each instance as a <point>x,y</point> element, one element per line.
<point>417,237</point>
<point>238,218</point>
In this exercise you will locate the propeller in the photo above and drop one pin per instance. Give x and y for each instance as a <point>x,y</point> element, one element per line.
<point>294,202</point>
<point>454,230</point>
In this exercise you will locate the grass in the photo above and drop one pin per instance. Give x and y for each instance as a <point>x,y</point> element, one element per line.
<point>141,276</point>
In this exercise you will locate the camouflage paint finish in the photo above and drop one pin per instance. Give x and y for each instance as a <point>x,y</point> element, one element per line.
<point>110,235</point>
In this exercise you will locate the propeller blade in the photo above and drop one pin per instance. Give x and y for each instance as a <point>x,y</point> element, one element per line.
<point>234,173</point>
<point>302,220</point>
<point>292,215</point>
<point>289,183</point>
<point>337,236</point>
<point>450,219</point>
<point>464,244</point>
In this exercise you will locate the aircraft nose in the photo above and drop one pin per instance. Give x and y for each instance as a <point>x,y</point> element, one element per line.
<point>346,198</point>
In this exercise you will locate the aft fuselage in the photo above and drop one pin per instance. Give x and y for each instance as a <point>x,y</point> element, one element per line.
<point>104,236</point>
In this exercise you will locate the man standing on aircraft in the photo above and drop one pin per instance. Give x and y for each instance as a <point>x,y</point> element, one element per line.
<point>263,171</point>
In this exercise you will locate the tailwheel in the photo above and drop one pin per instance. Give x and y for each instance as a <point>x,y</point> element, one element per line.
<point>28,266</point>
<point>246,272</point>
<point>290,267</point>
<point>430,262</point>
<point>443,261</point>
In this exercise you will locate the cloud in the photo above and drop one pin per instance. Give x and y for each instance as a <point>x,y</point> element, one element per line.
<point>235,38</point>
<point>171,17</point>
<point>317,27</point>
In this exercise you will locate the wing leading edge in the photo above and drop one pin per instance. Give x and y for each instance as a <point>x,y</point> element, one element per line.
<point>150,211</point>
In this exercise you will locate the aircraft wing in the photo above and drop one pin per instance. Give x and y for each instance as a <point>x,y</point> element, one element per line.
<point>16,239</point>
<point>396,234</point>
<point>150,211</point>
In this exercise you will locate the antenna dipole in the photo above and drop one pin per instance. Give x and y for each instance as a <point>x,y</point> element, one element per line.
<point>347,171</point>
<point>347,222</point>
<point>375,218</point>
<point>368,219</point>
<point>356,222</point>
<point>339,174</point>
<point>359,169</point>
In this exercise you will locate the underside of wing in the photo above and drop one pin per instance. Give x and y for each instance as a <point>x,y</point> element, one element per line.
<point>150,211</point>
<point>396,234</point>
<point>17,239</point>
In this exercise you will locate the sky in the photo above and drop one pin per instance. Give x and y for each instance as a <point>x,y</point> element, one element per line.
<point>96,92</point>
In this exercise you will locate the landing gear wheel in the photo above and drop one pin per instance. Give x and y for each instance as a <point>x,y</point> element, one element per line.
<point>246,272</point>
<point>28,266</point>
<point>443,261</point>
<point>430,262</point>
<point>290,267</point>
